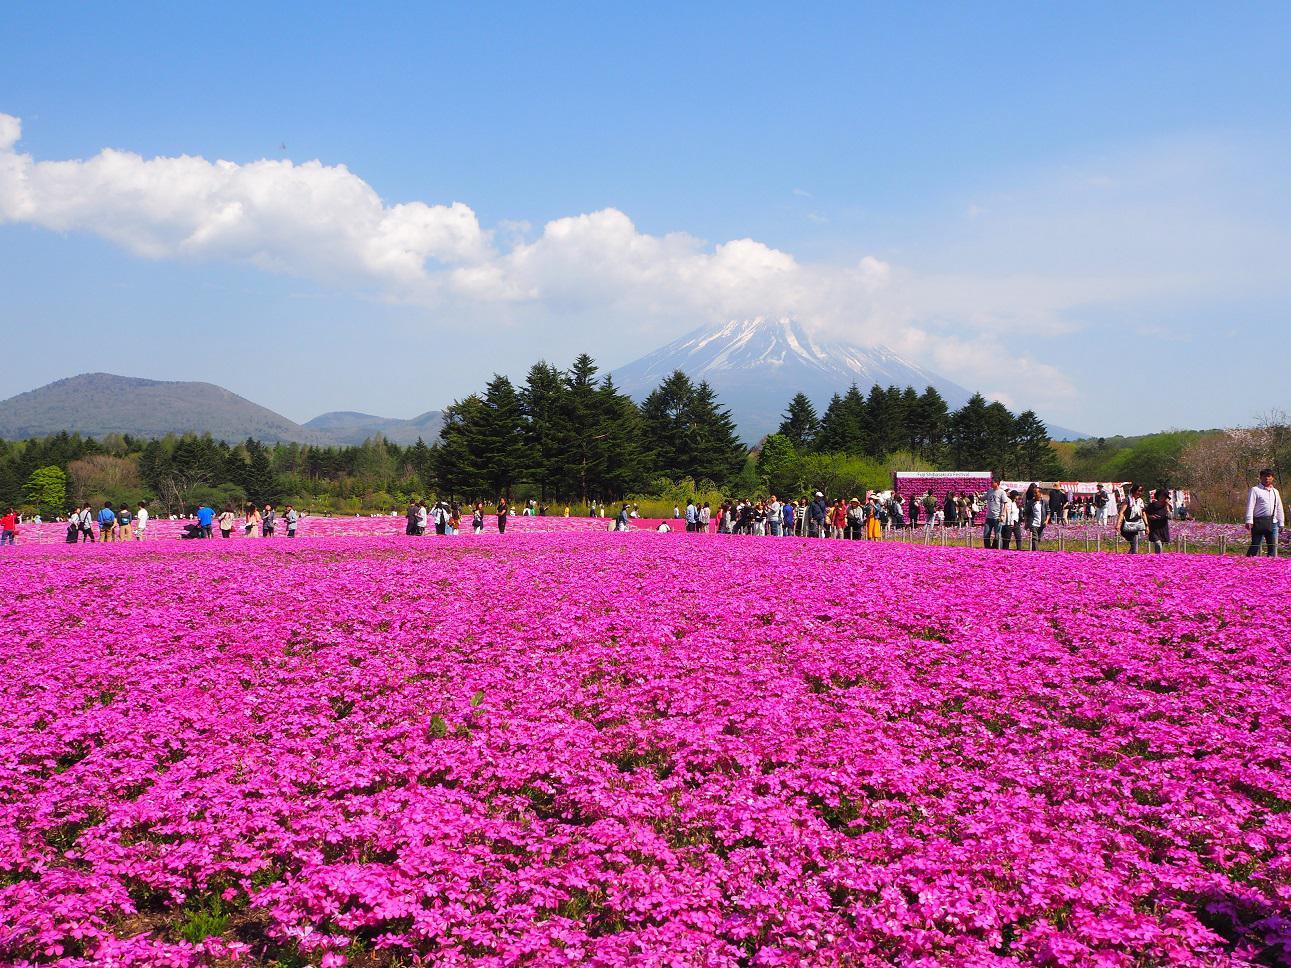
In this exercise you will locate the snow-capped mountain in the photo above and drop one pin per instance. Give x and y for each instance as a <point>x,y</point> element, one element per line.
<point>757,365</point>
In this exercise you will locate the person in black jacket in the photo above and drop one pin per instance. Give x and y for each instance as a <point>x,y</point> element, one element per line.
<point>1158,514</point>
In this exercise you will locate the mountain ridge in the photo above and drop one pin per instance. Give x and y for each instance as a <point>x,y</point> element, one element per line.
<point>98,404</point>
<point>756,366</point>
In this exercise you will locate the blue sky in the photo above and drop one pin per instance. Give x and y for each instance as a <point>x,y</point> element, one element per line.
<point>1080,210</point>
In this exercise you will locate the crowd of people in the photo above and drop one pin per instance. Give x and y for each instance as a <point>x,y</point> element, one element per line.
<point>252,522</point>
<point>1006,516</point>
<point>115,524</point>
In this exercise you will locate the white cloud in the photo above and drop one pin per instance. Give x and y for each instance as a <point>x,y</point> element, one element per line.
<point>326,224</point>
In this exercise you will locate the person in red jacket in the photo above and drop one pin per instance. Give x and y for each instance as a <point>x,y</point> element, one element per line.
<point>8,527</point>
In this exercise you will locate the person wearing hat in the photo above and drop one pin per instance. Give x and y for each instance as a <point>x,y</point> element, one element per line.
<point>1265,514</point>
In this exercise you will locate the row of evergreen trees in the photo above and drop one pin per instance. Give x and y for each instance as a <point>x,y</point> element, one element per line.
<point>575,436</point>
<point>561,435</point>
<point>979,435</point>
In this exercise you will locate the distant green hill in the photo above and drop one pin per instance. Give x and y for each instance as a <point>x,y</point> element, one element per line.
<point>96,404</point>
<point>348,427</point>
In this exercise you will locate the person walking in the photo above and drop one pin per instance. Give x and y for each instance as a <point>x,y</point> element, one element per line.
<point>9,527</point>
<point>107,522</point>
<point>504,511</point>
<point>1035,511</point>
<point>1158,513</point>
<point>141,521</point>
<point>1130,522</point>
<point>1265,515</point>
<point>995,501</point>
<point>226,521</point>
<point>1102,506</point>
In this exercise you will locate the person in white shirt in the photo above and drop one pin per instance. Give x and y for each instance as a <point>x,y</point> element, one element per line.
<point>1131,522</point>
<point>141,521</point>
<point>1011,522</point>
<point>1265,515</point>
<point>774,520</point>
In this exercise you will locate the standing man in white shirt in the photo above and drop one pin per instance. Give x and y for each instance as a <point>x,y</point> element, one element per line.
<point>141,521</point>
<point>1265,514</point>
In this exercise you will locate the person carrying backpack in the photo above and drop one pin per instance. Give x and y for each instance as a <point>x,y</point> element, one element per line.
<point>107,522</point>
<point>1102,503</point>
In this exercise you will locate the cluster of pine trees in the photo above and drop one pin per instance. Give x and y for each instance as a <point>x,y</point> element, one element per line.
<point>978,436</point>
<point>574,436</point>
<point>559,436</point>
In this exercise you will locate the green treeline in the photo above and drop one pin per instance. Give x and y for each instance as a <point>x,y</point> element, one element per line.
<point>561,436</point>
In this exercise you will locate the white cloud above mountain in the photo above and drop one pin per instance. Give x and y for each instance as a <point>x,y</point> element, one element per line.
<point>326,224</point>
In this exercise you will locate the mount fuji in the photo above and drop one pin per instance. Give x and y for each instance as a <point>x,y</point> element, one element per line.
<point>757,365</point>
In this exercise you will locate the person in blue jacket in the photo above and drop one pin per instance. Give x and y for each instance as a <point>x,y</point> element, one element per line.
<point>817,516</point>
<point>787,515</point>
<point>107,522</point>
<point>206,520</point>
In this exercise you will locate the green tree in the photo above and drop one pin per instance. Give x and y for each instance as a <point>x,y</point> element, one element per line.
<point>777,465</point>
<point>834,434</point>
<point>969,443</point>
<point>1035,456</point>
<point>717,453</point>
<point>619,439</point>
<point>542,400</point>
<point>256,478</point>
<point>665,418</point>
<point>582,439</point>
<point>500,446</point>
<point>458,468</point>
<point>46,490</point>
<point>800,424</point>
<point>931,419</point>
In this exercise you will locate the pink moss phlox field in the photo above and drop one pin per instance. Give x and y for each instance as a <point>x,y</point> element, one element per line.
<point>565,746</point>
